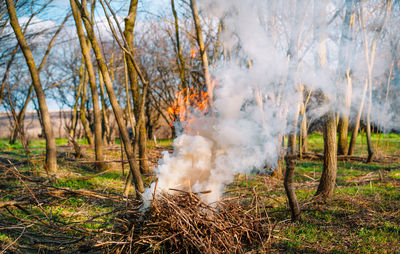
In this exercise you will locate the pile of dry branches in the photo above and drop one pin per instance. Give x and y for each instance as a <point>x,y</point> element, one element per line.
<point>182,223</point>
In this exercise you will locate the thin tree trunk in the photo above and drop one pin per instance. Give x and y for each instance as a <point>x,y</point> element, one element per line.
<point>114,103</point>
<point>104,109</point>
<point>327,182</point>
<point>353,139</point>
<point>328,179</point>
<point>291,161</point>
<point>128,99</point>
<point>291,153</point>
<point>74,120</point>
<point>93,87</point>
<point>138,97</point>
<point>51,156</point>
<point>278,172</point>
<point>371,151</point>
<point>180,60</point>
<point>203,52</point>
<point>344,119</point>
<point>303,130</point>
<point>82,112</point>
<point>344,68</point>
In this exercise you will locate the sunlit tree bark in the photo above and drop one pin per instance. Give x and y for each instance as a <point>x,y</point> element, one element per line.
<point>202,48</point>
<point>93,87</point>
<point>139,97</point>
<point>327,182</point>
<point>328,179</point>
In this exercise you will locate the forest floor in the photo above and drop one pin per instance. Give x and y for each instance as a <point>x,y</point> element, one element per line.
<point>75,212</point>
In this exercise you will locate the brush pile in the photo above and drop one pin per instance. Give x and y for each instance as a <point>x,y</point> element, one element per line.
<point>182,223</point>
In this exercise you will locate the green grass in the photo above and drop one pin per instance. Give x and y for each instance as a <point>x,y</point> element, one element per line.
<point>4,240</point>
<point>151,144</point>
<point>387,143</point>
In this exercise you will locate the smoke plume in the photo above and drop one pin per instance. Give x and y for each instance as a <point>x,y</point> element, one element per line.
<point>270,64</point>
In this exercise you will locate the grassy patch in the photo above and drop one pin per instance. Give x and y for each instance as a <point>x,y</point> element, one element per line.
<point>383,143</point>
<point>362,217</point>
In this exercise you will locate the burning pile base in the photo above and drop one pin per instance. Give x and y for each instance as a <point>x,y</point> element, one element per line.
<point>182,223</point>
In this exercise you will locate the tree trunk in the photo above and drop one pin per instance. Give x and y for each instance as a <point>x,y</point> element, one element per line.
<point>203,52</point>
<point>149,121</point>
<point>278,172</point>
<point>93,87</point>
<point>327,183</point>
<point>82,112</point>
<point>128,99</point>
<point>74,120</point>
<point>328,178</point>
<point>138,97</point>
<point>51,156</point>
<point>368,129</point>
<point>292,143</point>
<point>291,161</point>
<point>180,60</point>
<point>113,100</point>
<point>353,139</point>
<point>104,109</point>
<point>344,69</point>
<point>303,130</point>
<point>344,119</point>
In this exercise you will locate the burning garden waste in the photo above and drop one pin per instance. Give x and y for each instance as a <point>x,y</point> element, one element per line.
<point>183,211</point>
<point>211,148</point>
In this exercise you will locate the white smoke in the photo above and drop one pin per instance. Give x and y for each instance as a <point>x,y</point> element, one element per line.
<point>253,106</point>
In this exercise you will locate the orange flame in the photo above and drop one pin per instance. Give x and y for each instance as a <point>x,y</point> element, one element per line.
<point>193,53</point>
<point>186,102</point>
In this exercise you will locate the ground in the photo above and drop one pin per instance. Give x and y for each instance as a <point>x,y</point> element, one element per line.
<point>75,211</point>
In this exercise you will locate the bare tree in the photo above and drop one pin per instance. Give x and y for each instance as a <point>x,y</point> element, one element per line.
<point>327,182</point>
<point>93,87</point>
<point>344,70</point>
<point>202,48</point>
<point>139,95</point>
